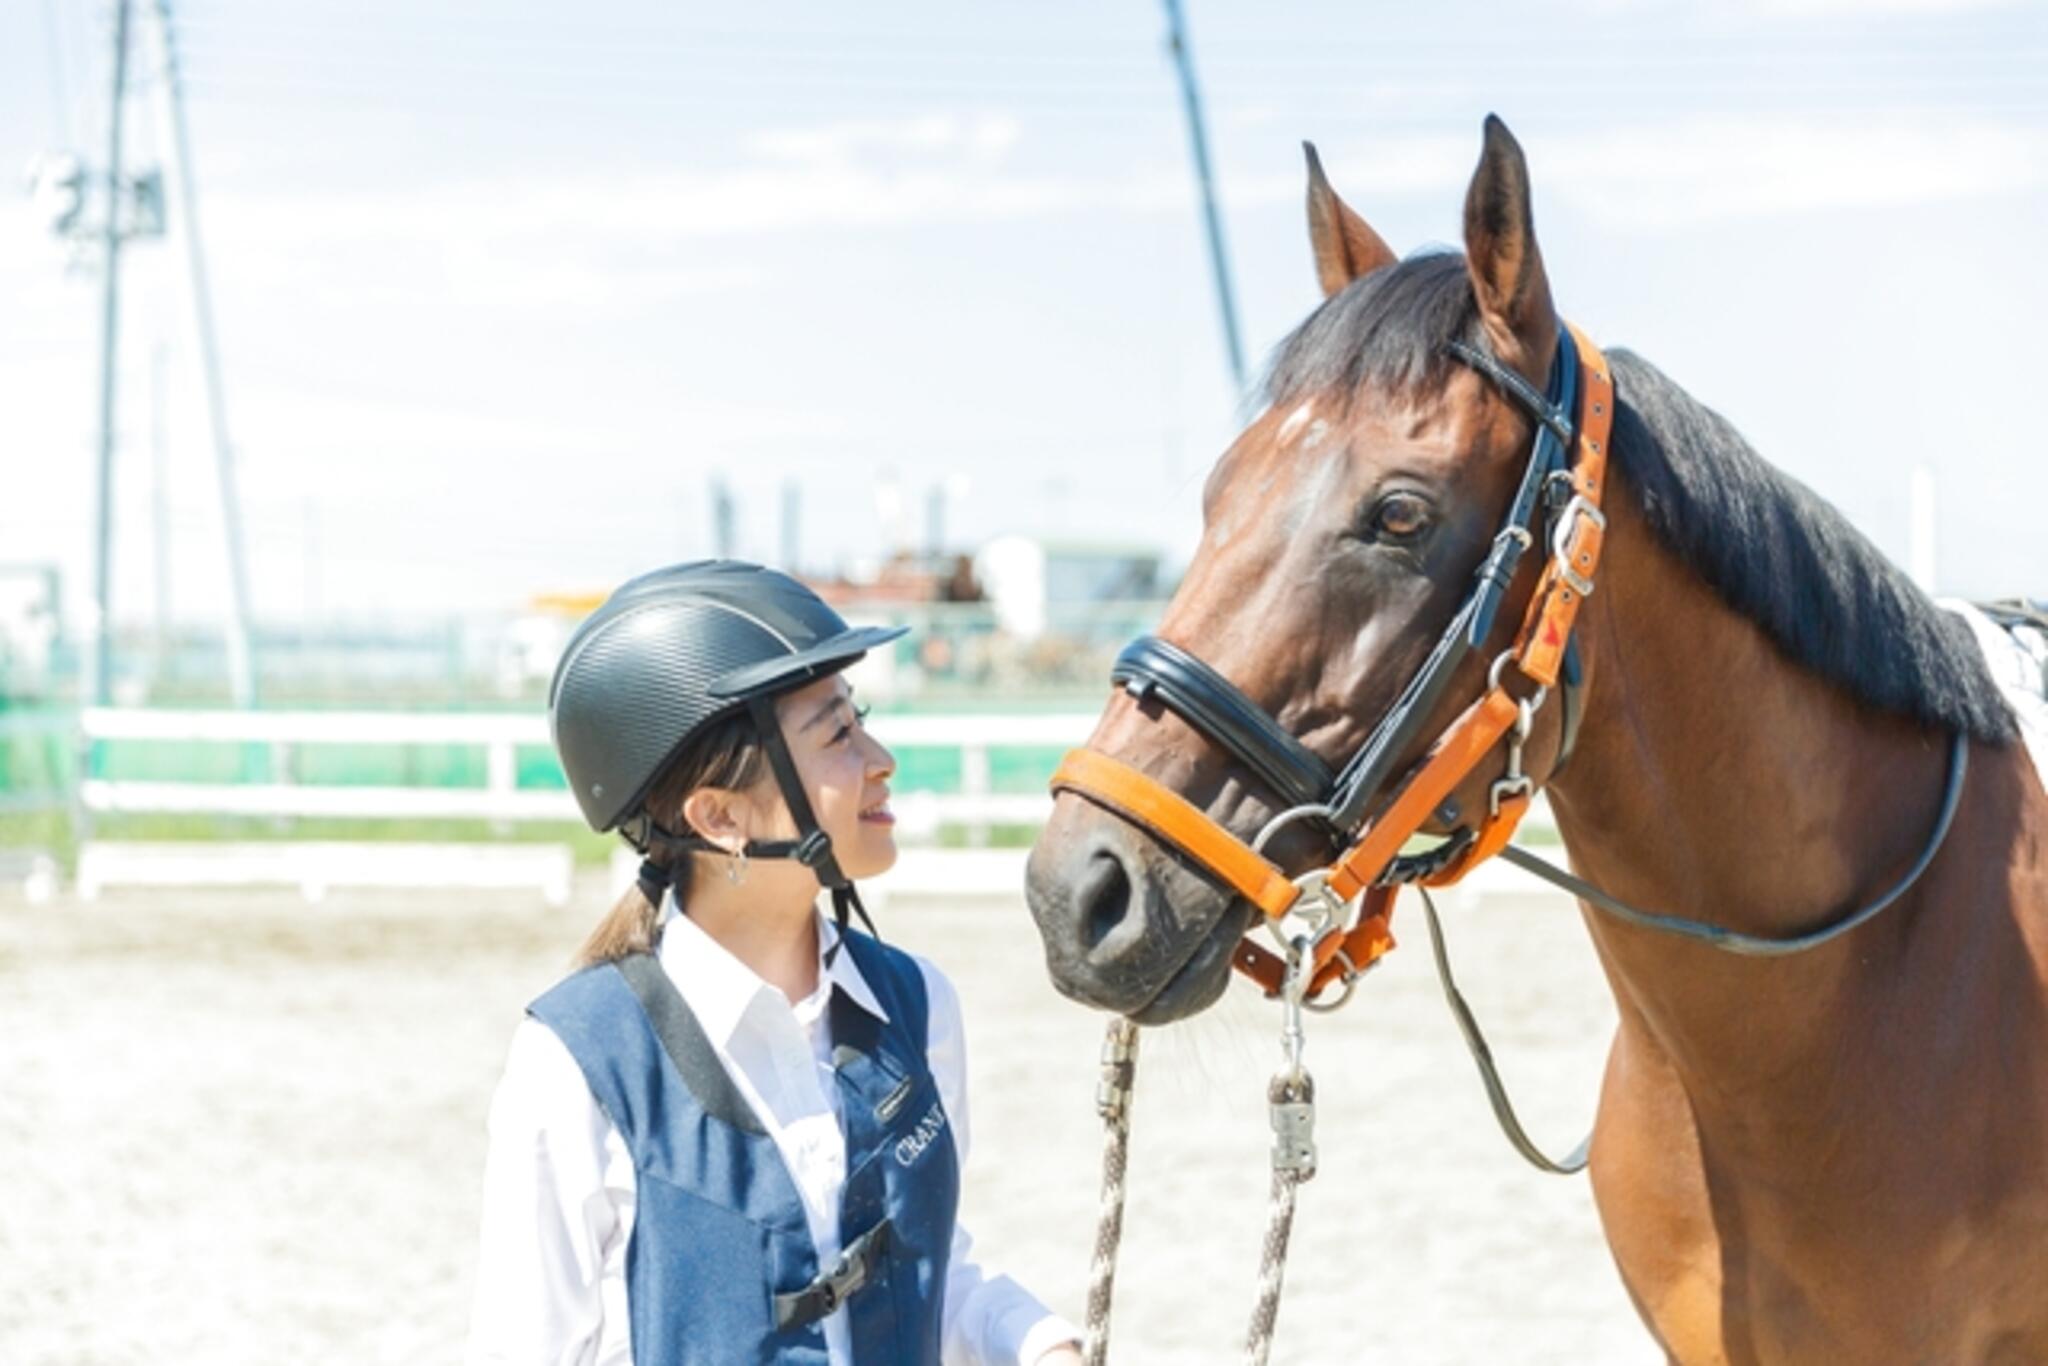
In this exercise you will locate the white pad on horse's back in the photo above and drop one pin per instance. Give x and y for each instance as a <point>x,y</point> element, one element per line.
<point>2017,656</point>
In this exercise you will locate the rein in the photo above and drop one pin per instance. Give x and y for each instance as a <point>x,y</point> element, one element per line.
<point>1561,485</point>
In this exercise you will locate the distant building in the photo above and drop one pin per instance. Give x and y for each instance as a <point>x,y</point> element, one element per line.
<point>1038,585</point>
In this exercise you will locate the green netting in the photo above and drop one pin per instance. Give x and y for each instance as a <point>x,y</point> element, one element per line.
<point>41,758</point>
<point>535,766</point>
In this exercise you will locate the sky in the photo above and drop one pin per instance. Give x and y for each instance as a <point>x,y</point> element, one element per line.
<point>501,288</point>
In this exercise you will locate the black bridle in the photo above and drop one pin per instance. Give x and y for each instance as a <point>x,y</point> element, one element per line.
<point>1338,801</point>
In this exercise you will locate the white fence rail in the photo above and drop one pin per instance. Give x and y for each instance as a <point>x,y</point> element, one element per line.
<point>921,814</point>
<point>315,866</point>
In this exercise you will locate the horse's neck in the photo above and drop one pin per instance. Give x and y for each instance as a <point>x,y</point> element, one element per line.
<point>1718,781</point>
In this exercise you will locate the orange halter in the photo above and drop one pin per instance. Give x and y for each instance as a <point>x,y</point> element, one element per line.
<point>1340,953</point>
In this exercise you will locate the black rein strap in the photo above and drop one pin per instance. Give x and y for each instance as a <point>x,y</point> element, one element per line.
<point>1754,945</point>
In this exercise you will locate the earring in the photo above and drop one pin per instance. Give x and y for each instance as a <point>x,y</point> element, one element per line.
<point>736,867</point>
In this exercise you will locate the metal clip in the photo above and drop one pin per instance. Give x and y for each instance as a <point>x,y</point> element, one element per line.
<point>1514,782</point>
<point>1294,1134</point>
<point>1291,1096</point>
<point>1291,1108</point>
<point>1293,987</point>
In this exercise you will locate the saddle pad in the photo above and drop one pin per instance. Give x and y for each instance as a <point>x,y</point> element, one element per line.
<point>2017,655</point>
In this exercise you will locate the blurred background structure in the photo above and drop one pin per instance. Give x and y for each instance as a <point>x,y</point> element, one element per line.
<point>395,335</point>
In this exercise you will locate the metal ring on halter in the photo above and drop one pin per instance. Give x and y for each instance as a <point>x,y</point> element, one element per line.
<point>1501,661</point>
<point>1315,905</point>
<point>1349,978</point>
<point>1289,817</point>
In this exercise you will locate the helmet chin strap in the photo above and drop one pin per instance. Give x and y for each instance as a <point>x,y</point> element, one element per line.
<point>812,847</point>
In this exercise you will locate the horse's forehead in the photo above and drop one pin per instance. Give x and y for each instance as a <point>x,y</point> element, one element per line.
<point>1297,421</point>
<point>1266,463</point>
<point>1312,449</point>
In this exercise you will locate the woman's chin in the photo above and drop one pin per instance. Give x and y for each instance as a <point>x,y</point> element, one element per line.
<point>872,855</point>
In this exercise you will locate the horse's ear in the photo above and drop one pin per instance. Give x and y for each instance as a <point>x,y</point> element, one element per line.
<point>1500,252</point>
<point>1346,247</point>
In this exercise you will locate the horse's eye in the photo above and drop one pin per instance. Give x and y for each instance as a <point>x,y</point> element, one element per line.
<point>1399,517</point>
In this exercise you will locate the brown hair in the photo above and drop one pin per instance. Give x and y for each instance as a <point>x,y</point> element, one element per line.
<point>727,753</point>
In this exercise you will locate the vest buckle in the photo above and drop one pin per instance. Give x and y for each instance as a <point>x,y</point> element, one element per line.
<point>838,1283</point>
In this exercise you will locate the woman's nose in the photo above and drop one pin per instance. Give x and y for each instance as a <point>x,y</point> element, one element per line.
<point>881,763</point>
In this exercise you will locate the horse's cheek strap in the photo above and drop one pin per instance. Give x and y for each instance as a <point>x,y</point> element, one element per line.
<point>1548,631</point>
<point>1180,823</point>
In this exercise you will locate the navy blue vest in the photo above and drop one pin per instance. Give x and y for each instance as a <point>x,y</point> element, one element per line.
<point>720,1267</point>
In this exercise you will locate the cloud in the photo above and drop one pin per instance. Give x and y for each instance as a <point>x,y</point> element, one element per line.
<point>574,236</point>
<point>854,174</point>
<point>1691,171</point>
<point>1711,169</point>
<point>983,136</point>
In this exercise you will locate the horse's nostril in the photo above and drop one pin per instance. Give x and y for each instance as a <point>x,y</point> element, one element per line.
<point>1105,897</point>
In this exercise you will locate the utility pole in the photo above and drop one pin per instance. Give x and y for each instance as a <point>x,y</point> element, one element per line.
<point>792,526</point>
<point>160,515</point>
<point>99,678</point>
<point>241,660</point>
<point>133,209</point>
<point>1198,141</point>
<point>724,518</point>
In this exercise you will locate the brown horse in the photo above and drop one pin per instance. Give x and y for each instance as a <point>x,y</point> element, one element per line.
<point>1838,1155</point>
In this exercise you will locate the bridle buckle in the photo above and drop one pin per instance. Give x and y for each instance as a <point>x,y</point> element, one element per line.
<point>1562,535</point>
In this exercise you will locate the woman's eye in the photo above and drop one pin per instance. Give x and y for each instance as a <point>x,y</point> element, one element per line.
<point>1400,517</point>
<point>860,715</point>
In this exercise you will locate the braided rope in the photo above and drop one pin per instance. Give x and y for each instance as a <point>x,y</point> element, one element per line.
<point>1113,1102</point>
<point>1287,1178</point>
<point>1292,1099</point>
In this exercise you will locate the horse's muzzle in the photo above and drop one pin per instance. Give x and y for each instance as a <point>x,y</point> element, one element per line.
<point>1113,938</point>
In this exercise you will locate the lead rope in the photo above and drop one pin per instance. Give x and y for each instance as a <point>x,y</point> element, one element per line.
<point>1291,1101</point>
<point>1113,1103</point>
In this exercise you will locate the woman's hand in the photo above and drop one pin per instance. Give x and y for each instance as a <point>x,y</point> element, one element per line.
<point>1066,1354</point>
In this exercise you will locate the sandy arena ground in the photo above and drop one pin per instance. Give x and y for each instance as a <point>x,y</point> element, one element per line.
<point>239,1128</point>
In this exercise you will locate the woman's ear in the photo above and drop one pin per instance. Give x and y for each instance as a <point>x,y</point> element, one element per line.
<point>721,816</point>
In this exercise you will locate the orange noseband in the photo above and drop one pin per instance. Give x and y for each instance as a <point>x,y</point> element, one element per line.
<point>1538,655</point>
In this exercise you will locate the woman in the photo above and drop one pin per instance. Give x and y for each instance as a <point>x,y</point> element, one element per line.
<point>736,1133</point>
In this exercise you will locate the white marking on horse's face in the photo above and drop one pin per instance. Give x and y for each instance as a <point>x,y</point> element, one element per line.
<point>1324,481</point>
<point>1295,421</point>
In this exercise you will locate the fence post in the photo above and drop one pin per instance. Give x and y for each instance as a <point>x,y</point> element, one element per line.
<point>975,784</point>
<point>501,776</point>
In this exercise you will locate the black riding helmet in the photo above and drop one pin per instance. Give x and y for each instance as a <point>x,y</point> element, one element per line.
<point>670,653</point>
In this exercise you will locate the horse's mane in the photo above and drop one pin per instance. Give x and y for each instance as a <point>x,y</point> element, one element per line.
<point>1770,547</point>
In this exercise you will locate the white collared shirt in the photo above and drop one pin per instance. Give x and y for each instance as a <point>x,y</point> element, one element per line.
<point>559,1184</point>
